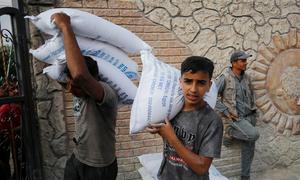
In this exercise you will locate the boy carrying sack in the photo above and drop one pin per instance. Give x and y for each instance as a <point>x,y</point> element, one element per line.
<point>194,136</point>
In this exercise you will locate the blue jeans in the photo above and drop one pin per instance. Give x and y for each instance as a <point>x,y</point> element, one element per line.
<point>245,131</point>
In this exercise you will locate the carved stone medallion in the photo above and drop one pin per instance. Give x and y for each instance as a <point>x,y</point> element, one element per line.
<point>276,82</point>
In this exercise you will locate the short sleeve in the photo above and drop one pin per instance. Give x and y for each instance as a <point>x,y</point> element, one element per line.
<point>212,139</point>
<point>110,97</point>
<point>220,83</point>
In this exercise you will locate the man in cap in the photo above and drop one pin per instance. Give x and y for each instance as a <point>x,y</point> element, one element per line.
<point>236,105</point>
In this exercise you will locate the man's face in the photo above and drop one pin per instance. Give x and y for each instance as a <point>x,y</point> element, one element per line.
<point>240,64</point>
<point>194,86</point>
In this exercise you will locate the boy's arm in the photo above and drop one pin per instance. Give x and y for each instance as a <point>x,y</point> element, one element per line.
<point>75,61</point>
<point>199,164</point>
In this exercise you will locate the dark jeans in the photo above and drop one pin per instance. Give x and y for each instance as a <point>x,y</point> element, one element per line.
<point>75,170</point>
<point>245,131</point>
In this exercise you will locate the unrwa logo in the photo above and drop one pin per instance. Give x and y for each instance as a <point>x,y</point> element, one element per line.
<point>131,75</point>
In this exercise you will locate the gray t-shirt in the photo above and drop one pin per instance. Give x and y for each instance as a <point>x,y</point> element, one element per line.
<point>209,137</point>
<point>95,129</point>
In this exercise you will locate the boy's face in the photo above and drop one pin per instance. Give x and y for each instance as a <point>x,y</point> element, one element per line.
<point>194,86</point>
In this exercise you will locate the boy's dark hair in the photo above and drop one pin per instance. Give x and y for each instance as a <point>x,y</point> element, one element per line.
<point>91,65</point>
<point>197,63</point>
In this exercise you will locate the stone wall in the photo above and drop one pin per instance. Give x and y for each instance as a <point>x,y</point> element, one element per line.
<point>269,30</point>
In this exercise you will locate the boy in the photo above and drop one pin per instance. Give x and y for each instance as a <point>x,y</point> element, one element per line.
<point>194,136</point>
<point>95,110</point>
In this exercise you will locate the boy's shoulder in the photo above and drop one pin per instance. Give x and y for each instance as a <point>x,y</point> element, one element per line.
<point>211,116</point>
<point>206,113</point>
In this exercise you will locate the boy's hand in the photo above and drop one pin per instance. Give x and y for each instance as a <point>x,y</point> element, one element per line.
<point>165,130</point>
<point>61,20</point>
<point>153,128</point>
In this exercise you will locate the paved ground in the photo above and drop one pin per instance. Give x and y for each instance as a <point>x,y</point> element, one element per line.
<point>292,173</point>
<point>276,174</point>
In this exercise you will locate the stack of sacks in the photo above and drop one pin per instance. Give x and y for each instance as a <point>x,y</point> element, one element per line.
<point>159,94</point>
<point>102,40</point>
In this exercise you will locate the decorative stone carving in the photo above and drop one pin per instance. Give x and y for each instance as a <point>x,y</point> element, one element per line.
<point>280,25</point>
<point>54,86</point>
<point>207,18</point>
<point>267,8</point>
<point>47,132</point>
<point>187,6</point>
<point>186,28</point>
<point>244,25</point>
<point>56,116</point>
<point>58,146</point>
<point>48,154</point>
<point>38,66</point>
<point>43,108</point>
<point>264,33</point>
<point>245,8</point>
<point>41,85</point>
<point>220,57</point>
<point>277,70</point>
<point>228,38</point>
<point>160,16</point>
<point>204,40</point>
<point>291,84</point>
<point>220,6</point>
<point>140,5</point>
<point>294,19</point>
<point>250,40</point>
<point>287,7</point>
<point>149,5</point>
<point>227,19</point>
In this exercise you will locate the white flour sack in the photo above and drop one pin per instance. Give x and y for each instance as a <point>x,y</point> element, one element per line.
<point>56,72</point>
<point>53,52</point>
<point>123,86</point>
<point>50,51</point>
<point>159,95</point>
<point>88,25</point>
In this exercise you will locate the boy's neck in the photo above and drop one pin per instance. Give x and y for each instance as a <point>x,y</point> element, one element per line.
<point>187,107</point>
